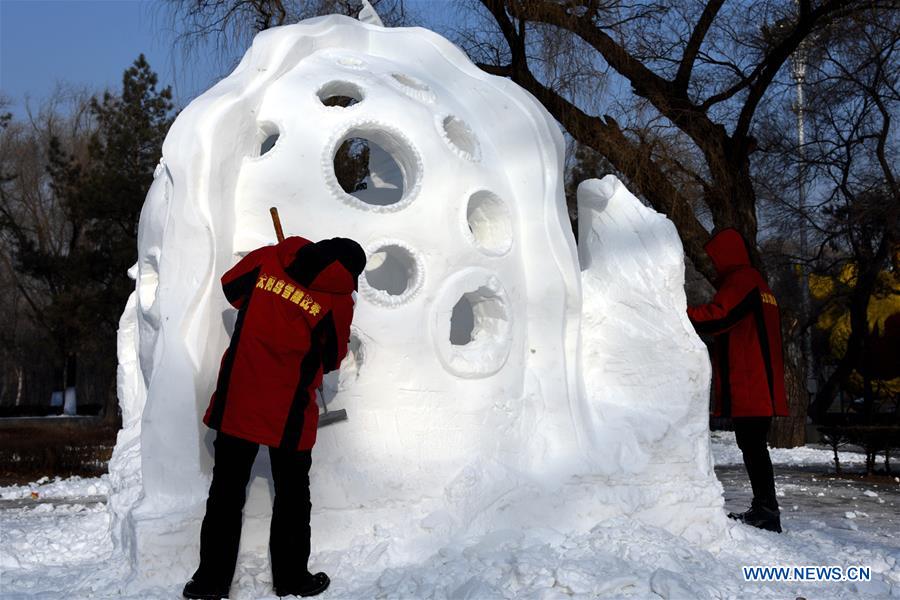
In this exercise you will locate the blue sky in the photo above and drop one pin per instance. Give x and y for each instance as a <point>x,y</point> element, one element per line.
<point>88,42</point>
<point>91,42</point>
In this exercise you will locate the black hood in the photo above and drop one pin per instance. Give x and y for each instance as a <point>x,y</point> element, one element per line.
<point>332,265</point>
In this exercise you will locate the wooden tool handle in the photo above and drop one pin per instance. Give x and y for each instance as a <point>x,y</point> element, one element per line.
<point>279,233</point>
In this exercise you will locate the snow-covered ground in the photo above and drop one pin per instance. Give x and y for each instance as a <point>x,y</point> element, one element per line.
<point>726,452</point>
<point>62,549</point>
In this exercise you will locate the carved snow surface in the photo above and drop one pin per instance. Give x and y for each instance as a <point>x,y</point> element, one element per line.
<point>492,381</point>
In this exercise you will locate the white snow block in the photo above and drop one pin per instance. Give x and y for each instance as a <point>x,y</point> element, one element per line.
<point>646,373</point>
<point>464,386</point>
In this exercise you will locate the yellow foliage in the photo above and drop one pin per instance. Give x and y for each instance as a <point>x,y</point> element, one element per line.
<point>820,286</point>
<point>835,319</point>
<point>848,274</point>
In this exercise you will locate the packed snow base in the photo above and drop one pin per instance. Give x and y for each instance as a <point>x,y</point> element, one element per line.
<point>65,550</point>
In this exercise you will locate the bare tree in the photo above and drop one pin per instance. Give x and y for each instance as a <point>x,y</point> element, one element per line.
<point>30,214</point>
<point>853,155</point>
<point>72,188</point>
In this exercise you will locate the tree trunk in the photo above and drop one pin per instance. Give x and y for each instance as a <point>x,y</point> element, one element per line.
<point>790,431</point>
<point>20,380</point>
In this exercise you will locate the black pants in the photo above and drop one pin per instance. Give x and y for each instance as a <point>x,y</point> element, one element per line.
<point>750,434</point>
<point>289,533</point>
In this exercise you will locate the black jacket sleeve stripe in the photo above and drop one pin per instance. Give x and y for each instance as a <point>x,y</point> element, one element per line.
<point>293,427</point>
<point>309,366</point>
<point>724,362</point>
<point>240,286</point>
<point>766,353</point>
<point>328,341</point>
<point>224,380</point>
<point>740,310</point>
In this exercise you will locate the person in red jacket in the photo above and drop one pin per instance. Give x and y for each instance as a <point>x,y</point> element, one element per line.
<point>748,371</point>
<point>295,304</point>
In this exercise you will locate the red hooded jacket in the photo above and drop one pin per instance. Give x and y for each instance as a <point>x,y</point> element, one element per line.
<point>748,371</point>
<point>295,306</point>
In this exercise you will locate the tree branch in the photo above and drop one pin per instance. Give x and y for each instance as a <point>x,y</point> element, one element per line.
<point>671,102</point>
<point>683,76</point>
<point>775,59</point>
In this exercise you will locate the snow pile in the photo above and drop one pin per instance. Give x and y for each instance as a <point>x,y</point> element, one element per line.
<point>70,534</point>
<point>53,523</point>
<point>492,384</point>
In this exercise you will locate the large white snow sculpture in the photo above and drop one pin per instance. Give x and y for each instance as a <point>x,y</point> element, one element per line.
<point>464,389</point>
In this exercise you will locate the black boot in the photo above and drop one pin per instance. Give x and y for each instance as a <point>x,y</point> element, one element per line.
<point>763,518</point>
<point>740,516</point>
<point>197,591</point>
<point>311,585</point>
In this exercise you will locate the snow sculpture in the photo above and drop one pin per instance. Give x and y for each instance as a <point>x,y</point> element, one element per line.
<point>476,381</point>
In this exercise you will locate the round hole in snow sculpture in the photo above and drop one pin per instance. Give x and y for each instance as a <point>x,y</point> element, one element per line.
<point>374,168</point>
<point>473,324</point>
<point>268,137</point>
<point>340,94</point>
<point>393,274</point>
<point>462,322</point>
<point>388,270</point>
<point>459,137</point>
<point>489,223</point>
